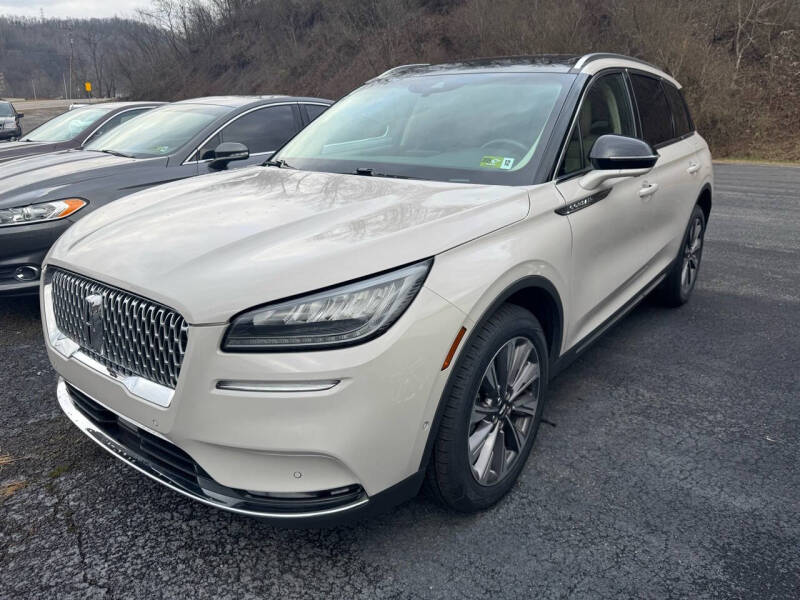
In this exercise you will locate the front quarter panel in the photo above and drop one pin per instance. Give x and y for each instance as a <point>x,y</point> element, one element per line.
<point>472,276</point>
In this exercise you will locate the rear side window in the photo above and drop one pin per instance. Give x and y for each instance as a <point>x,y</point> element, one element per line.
<point>653,109</point>
<point>680,115</point>
<point>263,130</point>
<point>314,110</point>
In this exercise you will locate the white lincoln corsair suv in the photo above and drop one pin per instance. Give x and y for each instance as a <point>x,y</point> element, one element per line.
<point>384,302</point>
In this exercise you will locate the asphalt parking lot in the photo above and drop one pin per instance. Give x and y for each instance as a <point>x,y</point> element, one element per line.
<point>670,469</point>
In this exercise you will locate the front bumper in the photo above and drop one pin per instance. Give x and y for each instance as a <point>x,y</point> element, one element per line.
<point>7,134</point>
<point>167,464</point>
<point>26,245</point>
<point>368,432</point>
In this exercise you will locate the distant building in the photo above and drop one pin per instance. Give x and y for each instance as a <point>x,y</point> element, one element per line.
<point>3,87</point>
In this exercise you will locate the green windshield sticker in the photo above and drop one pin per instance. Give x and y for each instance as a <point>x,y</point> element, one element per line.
<point>497,162</point>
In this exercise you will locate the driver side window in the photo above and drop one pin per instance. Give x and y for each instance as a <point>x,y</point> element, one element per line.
<point>606,109</point>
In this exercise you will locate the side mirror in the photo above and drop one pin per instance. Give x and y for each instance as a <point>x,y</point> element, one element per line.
<point>20,115</point>
<point>614,156</point>
<point>227,152</point>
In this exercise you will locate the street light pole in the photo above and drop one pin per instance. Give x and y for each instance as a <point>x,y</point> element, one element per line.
<point>70,65</point>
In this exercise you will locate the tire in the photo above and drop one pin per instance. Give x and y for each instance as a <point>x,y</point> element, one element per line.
<point>675,290</point>
<point>454,476</point>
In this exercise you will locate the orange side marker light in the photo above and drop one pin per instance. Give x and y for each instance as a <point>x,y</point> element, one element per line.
<point>454,347</point>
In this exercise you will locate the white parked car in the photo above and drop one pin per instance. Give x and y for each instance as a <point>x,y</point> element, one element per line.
<point>386,300</point>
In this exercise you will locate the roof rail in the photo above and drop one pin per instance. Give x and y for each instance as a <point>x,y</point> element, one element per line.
<point>400,68</point>
<point>587,58</point>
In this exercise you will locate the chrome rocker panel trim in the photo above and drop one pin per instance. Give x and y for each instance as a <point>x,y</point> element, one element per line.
<point>111,446</point>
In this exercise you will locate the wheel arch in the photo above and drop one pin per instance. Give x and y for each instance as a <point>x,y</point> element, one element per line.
<point>704,200</point>
<point>538,295</point>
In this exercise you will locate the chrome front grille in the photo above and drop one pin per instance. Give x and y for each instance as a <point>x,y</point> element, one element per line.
<point>126,333</point>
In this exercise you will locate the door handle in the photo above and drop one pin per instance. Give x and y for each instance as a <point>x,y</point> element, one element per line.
<point>648,189</point>
<point>693,168</point>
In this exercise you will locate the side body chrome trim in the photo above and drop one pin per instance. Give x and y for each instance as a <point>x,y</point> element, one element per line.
<point>577,205</point>
<point>111,446</point>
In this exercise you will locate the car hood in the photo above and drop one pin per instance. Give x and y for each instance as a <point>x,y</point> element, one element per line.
<point>11,150</point>
<point>215,245</point>
<point>39,178</point>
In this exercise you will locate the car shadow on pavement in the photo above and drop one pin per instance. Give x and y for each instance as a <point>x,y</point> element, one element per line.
<point>25,308</point>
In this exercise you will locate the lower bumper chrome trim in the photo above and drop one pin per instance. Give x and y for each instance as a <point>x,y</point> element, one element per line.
<point>282,387</point>
<point>110,445</point>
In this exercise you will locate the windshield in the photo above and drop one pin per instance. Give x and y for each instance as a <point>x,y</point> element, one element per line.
<point>158,132</point>
<point>476,128</point>
<point>6,110</point>
<point>66,126</point>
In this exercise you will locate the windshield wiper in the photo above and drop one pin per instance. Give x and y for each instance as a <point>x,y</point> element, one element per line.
<point>117,153</point>
<point>277,163</point>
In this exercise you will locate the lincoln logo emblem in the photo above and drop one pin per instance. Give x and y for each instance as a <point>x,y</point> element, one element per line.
<point>93,322</point>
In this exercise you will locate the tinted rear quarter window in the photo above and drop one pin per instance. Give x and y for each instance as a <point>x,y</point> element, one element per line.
<point>314,110</point>
<point>654,110</point>
<point>680,115</point>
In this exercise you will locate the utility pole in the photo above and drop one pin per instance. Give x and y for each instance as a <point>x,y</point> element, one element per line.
<point>70,64</point>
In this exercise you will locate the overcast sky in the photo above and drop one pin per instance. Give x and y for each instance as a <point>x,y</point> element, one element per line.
<point>72,8</point>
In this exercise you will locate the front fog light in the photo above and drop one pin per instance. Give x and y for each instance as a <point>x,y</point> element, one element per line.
<point>27,273</point>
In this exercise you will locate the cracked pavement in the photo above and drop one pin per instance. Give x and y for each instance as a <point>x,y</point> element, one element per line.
<point>671,471</point>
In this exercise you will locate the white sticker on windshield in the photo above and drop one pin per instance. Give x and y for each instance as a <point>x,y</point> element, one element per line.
<point>507,163</point>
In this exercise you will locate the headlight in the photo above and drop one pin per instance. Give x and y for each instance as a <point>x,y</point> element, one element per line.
<point>36,213</point>
<point>341,316</point>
